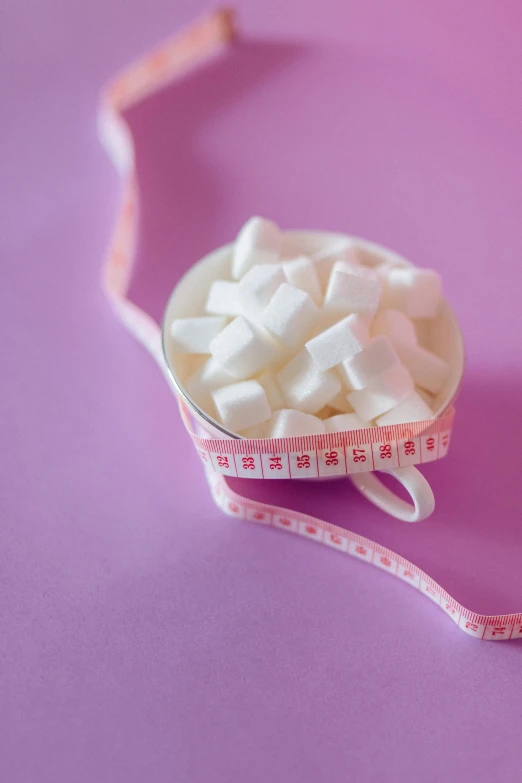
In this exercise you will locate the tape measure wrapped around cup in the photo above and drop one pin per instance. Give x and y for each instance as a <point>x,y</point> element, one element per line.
<point>357,454</point>
<point>329,455</point>
<point>223,456</point>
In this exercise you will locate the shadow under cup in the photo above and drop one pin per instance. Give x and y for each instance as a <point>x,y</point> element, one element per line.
<point>441,334</point>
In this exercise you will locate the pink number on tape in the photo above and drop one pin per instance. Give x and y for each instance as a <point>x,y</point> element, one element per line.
<point>275,465</point>
<point>386,455</point>
<point>408,451</point>
<point>303,464</point>
<point>331,462</point>
<point>249,465</point>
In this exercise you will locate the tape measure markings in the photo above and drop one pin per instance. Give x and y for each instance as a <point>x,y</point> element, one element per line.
<point>321,456</point>
<point>490,627</point>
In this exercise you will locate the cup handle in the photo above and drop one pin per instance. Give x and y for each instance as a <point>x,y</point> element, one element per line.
<point>377,493</point>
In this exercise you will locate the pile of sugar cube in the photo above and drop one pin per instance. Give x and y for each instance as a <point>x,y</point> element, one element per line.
<point>310,345</point>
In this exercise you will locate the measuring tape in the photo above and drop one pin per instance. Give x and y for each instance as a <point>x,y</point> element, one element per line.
<point>325,456</point>
<point>305,457</point>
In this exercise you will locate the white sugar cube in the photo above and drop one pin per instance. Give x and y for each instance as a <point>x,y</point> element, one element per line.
<point>257,431</point>
<point>293,424</point>
<point>382,271</point>
<point>290,315</point>
<point>427,369</point>
<point>304,387</point>
<point>326,412</point>
<point>301,273</point>
<point>273,393</point>
<point>212,375</point>
<point>343,422</point>
<point>412,408</point>
<point>383,394</point>
<point>396,326</point>
<point>365,367</point>
<point>416,292</point>
<point>223,298</point>
<point>427,397</point>
<point>341,341</point>
<point>349,267</point>
<point>349,292</point>
<point>341,249</point>
<point>371,257</point>
<point>423,330</point>
<point>194,335</point>
<point>325,319</point>
<point>258,242</point>
<point>241,405</point>
<point>346,382</point>
<point>354,268</point>
<point>340,402</point>
<point>204,381</point>
<point>243,349</point>
<point>258,286</point>
<point>188,363</point>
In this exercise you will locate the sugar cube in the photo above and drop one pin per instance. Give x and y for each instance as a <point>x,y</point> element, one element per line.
<point>412,408</point>
<point>243,349</point>
<point>272,390</point>
<point>370,256</point>
<point>427,397</point>
<point>416,292</point>
<point>324,259</point>
<point>241,405</point>
<point>326,412</point>
<point>382,272</point>
<point>188,363</point>
<point>340,402</point>
<point>423,330</point>
<point>201,383</point>
<point>344,421</point>
<point>301,273</point>
<point>367,365</point>
<point>383,394</point>
<point>304,387</point>
<point>290,315</point>
<point>396,326</point>
<point>294,424</point>
<point>325,319</point>
<point>257,287</point>
<point>350,292</point>
<point>223,298</point>
<point>194,335</point>
<point>258,242</point>
<point>257,431</point>
<point>354,268</point>
<point>427,369</point>
<point>341,341</point>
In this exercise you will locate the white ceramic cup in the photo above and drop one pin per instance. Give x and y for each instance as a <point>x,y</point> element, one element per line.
<point>441,335</point>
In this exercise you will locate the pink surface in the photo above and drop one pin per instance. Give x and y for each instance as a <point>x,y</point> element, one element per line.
<point>143,635</point>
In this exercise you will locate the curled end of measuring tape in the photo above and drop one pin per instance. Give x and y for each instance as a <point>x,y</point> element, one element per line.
<point>167,62</point>
<point>170,59</point>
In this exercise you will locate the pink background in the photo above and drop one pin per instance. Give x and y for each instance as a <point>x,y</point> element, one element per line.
<point>143,635</point>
